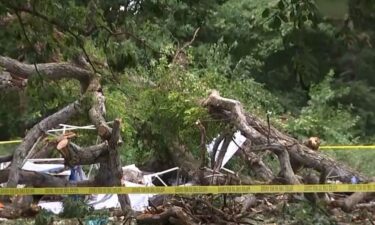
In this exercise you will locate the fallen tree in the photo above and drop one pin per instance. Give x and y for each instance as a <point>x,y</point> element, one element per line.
<point>291,153</point>
<point>92,102</point>
<point>260,138</point>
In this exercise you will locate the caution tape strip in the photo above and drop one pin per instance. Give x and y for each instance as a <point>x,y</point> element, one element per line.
<point>238,189</point>
<point>10,142</point>
<point>346,147</point>
<point>323,147</point>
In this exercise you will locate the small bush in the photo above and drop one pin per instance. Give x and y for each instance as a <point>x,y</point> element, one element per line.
<point>75,208</point>
<point>97,218</point>
<point>44,217</point>
<point>307,214</point>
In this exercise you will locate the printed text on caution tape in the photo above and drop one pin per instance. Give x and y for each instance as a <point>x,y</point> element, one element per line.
<point>193,189</point>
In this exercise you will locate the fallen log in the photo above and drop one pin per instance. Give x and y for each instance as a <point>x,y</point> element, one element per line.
<point>258,133</point>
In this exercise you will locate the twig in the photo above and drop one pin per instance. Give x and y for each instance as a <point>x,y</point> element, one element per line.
<point>56,23</point>
<point>29,42</point>
<point>140,40</point>
<point>179,50</point>
<point>269,128</point>
<point>366,205</point>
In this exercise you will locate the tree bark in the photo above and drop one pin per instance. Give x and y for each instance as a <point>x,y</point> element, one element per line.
<point>110,171</point>
<point>50,71</point>
<point>8,84</point>
<point>75,155</point>
<point>35,179</point>
<point>255,163</point>
<point>115,165</point>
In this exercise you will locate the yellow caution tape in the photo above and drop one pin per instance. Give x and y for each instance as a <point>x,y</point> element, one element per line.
<point>238,189</point>
<point>347,147</point>
<point>10,142</point>
<point>324,147</point>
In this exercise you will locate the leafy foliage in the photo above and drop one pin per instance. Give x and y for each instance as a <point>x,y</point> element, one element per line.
<point>321,118</point>
<point>74,208</point>
<point>305,213</point>
<point>44,217</point>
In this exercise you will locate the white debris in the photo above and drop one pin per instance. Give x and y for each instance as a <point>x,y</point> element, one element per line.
<point>138,202</point>
<point>56,169</point>
<point>54,207</point>
<point>233,147</point>
<point>133,177</point>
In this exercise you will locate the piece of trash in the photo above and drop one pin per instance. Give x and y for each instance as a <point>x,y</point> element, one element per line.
<point>354,180</point>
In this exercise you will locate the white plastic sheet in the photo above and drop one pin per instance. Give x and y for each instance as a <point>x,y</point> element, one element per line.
<point>138,202</point>
<point>54,207</point>
<point>239,139</point>
<point>45,168</point>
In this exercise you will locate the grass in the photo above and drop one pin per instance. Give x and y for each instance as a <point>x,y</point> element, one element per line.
<point>6,149</point>
<point>359,159</point>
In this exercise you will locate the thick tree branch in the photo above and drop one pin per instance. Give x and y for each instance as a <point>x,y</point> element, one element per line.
<point>75,155</point>
<point>35,179</point>
<point>237,113</point>
<point>51,71</point>
<point>9,83</point>
<point>32,136</point>
<point>115,165</point>
<point>96,116</point>
<point>202,146</point>
<point>261,170</point>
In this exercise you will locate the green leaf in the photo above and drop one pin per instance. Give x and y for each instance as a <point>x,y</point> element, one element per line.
<point>266,13</point>
<point>283,17</point>
<point>292,14</point>
<point>276,23</point>
<point>281,5</point>
<point>311,16</point>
